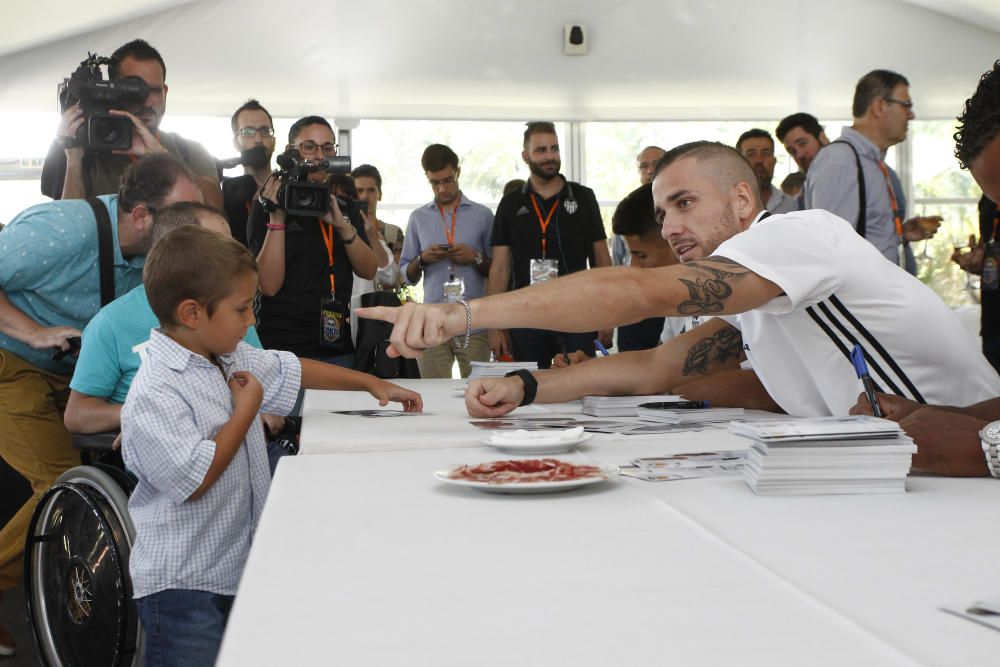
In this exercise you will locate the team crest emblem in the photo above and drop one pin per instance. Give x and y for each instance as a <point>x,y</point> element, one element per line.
<point>570,205</point>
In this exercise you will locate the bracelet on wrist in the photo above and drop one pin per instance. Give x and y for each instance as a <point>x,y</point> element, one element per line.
<point>530,384</point>
<point>276,226</point>
<point>351,240</point>
<point>468,325</point>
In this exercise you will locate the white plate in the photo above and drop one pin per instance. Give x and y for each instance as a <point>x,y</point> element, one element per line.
<point>609,472</point>
<point>534,446</point>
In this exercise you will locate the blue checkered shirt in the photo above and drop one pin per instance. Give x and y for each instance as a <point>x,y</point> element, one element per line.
<point>177,403</point>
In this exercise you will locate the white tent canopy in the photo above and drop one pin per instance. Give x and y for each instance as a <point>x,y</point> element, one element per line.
<point>648,60</point>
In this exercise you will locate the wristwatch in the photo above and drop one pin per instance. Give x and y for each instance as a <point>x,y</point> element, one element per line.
<point>990,439</point>
<point>478,259</point>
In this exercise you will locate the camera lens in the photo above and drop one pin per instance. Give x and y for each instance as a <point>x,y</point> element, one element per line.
<point>105,131</point>
<point>302,198</point>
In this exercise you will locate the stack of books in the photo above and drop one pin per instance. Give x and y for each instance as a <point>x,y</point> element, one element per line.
<point>620,406</point>
<point>826,455</point>
<point>688,415</point>
<point>497,369</point>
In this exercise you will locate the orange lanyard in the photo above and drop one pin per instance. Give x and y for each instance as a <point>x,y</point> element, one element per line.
<point>327,231</point>
<point>892,199</point>
<point>544,223</point>
<point>454,217</point>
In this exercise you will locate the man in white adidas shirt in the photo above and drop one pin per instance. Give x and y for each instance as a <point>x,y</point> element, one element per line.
<point>802,287</point>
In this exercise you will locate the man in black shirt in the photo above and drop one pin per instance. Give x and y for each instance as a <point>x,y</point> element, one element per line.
<point>548,228</point>
<point>252,128</point>
<point>303,260</point>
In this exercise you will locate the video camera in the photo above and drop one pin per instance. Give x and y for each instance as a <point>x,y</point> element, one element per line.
<point>297,195</point>
<point>87,86</point>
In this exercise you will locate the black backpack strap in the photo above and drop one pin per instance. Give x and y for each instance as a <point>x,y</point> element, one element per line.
<point>860,224</point>
<point>105,249</point>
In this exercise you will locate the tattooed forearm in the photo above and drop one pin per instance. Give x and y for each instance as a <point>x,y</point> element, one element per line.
<point>707,355</point>
<point>708,295</point>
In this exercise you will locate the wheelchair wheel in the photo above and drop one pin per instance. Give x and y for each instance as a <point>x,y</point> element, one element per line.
<point>78,591</point>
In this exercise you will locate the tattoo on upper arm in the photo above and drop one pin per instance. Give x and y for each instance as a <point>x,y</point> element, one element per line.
<point>708,295</point>
<point>718,348</point>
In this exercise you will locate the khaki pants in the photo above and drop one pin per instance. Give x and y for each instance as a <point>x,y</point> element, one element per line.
<point>34,442</point>
<point>436,362</point>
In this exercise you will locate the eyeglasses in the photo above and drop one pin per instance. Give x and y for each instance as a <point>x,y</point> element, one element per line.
<point>250,132</point>
<point>311,147</point>
<point>906,104</point>
<point>443,181</point>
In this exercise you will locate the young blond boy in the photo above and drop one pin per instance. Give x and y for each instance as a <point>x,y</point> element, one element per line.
<point>192,436</point>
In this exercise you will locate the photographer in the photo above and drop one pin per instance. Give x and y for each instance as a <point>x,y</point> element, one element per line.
<point>307,262</point>
<point>72,170</point>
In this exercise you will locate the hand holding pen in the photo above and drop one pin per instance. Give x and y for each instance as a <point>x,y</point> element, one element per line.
<point>861,368</point>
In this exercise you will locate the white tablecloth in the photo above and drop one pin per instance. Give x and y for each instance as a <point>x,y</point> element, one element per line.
<point>365,559</point>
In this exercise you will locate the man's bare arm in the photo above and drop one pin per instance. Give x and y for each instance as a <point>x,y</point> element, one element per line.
<point>91,414</point>
<point>16,324</point>
<point>588,301</point>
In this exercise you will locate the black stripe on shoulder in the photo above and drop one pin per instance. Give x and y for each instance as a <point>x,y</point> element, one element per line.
<point>838,304</point>
<point>873,365</point>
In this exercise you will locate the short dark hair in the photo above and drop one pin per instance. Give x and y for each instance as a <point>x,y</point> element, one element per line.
<point>513,185</point>
<point>249,105</point>
<point>139,49</point>
<point>796,179</point>
<point>979,122</point>
<point>806,121</point>
<point>538,127</point>
<point>438,156</point>
<point>193,263</point>
<point>755,133</point>
<point>344,183</point>
<point>301,123</point>
<point>879,83</point>
<point>635,215</point>
<point>150,179</point>
<point>178,214</point>
<point>368,171</point>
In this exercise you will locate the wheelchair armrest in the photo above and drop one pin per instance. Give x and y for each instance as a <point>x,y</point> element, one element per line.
<point>95,442</point>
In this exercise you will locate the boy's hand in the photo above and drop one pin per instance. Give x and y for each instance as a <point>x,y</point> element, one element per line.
<point>248,393</point>
<point>387,391</point>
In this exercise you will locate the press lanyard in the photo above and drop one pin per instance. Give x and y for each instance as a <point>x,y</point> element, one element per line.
<point>544,224</point>
<point>454,216</point>
<point>327,231</point>
<point>892,199</point>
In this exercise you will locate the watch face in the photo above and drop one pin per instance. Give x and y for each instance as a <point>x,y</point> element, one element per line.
<point>991,433</point>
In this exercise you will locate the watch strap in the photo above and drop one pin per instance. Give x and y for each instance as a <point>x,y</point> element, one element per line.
<point>530,384</point>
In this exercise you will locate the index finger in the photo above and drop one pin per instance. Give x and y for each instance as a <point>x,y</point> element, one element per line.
<point>384,313</point>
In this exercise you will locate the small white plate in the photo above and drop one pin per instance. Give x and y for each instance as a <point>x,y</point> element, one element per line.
<point>608,472</point>
<point>537,445</point>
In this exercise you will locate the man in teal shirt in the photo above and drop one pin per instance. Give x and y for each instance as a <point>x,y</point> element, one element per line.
<point>115,340</point>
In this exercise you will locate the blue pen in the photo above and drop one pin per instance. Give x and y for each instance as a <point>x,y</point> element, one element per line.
<point>600,348</point>
<point>861,368</point>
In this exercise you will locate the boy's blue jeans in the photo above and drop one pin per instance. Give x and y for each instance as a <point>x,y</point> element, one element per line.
<point>183,628</point>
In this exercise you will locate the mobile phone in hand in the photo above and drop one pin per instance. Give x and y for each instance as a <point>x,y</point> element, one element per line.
<point>446,246</point>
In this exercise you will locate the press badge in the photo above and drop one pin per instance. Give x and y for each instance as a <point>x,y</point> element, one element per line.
<point>332,316</point>
<point>454,289</point>
<point>542,270</point>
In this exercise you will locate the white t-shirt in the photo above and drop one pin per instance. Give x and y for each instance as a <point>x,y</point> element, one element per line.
<point>840,290</point>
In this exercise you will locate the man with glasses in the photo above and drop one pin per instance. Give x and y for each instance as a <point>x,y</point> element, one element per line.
<point>71,172</point>
<point>757,147</point>
<point>447,242</point>
<point>307,264</point>
<point>252,128</point>
<point>852,169</point>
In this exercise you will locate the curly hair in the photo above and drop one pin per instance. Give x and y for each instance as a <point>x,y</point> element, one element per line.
<point>979,122</point>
